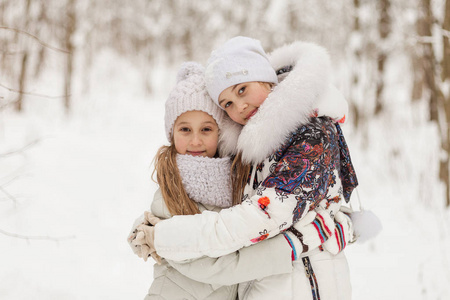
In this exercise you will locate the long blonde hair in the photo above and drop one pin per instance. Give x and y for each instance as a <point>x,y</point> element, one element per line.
<point>169,180</point>
<point>239,177</point>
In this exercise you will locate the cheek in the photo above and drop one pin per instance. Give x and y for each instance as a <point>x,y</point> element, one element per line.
<point>180,145</point>
<point>262,96</point>
<point>235,116</point>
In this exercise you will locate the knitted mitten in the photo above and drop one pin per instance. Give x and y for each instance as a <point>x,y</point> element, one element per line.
<point>343,234</point>
<point>147,218</point>
<point>314,229</point>
<point>145,238</point>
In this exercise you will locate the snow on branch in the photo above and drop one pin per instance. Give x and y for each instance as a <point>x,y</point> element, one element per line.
<point>31,94</point>
<point>20,150</point>
<point>49,238</point>
<point>35,38</point>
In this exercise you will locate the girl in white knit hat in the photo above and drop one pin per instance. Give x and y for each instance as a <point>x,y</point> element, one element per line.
<point>193,179</point>
<point>300,170</point>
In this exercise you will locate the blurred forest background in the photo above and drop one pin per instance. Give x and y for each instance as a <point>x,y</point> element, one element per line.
<point>391,60</point>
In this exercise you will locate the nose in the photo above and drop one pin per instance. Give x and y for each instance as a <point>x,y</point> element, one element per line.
<point>196,140</point>
<point>242,106</point>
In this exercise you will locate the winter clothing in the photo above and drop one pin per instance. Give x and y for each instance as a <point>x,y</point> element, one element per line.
<point>240,59</point>
<point>144,240</point>
<point>139,244</point>
<point>174,280</point>
<point>300,162</point>
<point>178,280</point>
<point>311,231</point>
<point>206,180</point>
<point>189,94</point>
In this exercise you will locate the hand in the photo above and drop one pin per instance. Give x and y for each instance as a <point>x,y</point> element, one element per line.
<point>145,238</point>
<point>343,234</point>
<point>147,218</point>
<point>310,232</point>
<point>151,219</point>
<point>132,235</point>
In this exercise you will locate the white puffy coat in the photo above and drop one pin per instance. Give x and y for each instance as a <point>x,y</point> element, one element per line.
<point>186,280</point>
<point>287,181</point>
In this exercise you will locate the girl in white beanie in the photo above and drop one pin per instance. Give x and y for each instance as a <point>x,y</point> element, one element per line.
<point>193,179</point>
<point>300,169</point>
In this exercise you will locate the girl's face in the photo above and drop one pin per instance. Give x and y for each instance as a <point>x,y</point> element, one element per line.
<point>196,133</point>
<point>242,101</point>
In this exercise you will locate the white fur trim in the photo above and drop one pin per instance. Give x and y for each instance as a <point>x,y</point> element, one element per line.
<point>290,104</point>
<point>307,88</point>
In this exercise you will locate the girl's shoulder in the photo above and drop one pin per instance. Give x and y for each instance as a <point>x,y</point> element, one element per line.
<point>319,131</point>
<point>317,128</point>
<point>159,207</point>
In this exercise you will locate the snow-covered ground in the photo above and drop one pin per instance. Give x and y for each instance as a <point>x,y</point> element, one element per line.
<point>76,190</point>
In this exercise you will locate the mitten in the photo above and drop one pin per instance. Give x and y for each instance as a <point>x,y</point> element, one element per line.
<point>145,238</point>
<point>147,218</point>
<point>310,232</point>
<point>132,235</point>
<point>342,235</point>
<point>151,218</point>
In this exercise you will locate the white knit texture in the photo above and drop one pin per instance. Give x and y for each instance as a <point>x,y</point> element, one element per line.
<point>206,180</point>
<point>189,94</point>
<point>240,59</point>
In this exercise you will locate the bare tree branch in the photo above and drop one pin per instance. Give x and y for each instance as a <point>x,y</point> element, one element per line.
<point>31,94</point>
<point>8,195</point>
<point>35,38</point>
<point>50,238</point>
<point>30,144</point>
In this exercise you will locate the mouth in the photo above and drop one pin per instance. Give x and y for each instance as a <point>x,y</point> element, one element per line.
<point>251,114</point>
<point>196,153</point>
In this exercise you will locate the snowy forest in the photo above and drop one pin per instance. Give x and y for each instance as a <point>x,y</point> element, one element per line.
<point>82,92</point>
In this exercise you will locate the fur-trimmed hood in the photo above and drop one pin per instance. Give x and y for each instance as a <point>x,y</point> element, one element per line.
<point>305,91</point>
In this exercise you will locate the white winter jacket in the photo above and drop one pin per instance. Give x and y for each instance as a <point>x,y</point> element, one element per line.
<point>187,280</point>
<point>299,163</point>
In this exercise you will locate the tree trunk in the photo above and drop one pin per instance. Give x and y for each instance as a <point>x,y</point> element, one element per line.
<point>24,65</point>
<point>384,29</point>
<point>353,106</point>
<point>70,29</point>
<point>429,60</point>
<point>22,81</point>
<point>445,76</point>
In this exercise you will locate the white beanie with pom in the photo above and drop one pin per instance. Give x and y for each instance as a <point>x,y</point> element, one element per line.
<point>189,94</point>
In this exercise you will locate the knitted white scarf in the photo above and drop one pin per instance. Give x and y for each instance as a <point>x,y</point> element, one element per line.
<point>206,180</point>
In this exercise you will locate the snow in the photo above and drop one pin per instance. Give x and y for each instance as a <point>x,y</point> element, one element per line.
<point>85,178</point>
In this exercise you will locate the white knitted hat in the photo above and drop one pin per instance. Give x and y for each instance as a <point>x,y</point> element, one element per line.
<point>189,94</point>
<point>240,59</point>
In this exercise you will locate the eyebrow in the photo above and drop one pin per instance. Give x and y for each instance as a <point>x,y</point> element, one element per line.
<point>188,123</point>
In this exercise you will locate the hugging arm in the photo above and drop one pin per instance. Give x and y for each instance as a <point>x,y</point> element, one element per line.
<point>270,257</point>
<point>298,180</point>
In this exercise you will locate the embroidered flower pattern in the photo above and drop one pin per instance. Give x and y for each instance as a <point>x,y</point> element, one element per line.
<point>306,164</point>
<point>262,237</point>
<point>263,202</point>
